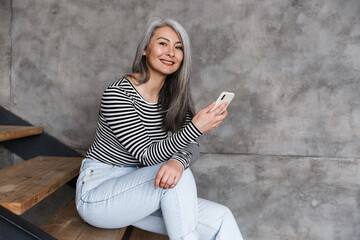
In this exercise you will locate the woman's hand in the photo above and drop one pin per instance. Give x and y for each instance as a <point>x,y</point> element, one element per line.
<point>169,174</point>
<point>207,121</point>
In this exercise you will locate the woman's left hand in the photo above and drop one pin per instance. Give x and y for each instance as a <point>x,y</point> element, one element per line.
<point>169,174</point>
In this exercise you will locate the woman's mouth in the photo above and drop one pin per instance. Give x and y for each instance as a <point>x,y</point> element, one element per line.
<point>167,62</point>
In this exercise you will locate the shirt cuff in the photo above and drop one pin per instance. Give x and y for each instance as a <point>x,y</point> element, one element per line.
<point>183,161</point>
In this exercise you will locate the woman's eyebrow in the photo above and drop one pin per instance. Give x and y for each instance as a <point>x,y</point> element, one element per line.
<point>164,38</point>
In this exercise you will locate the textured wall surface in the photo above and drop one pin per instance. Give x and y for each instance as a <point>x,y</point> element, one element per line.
<point>293,65</point>
<point>8,158</point>
<point>285,197</point>
<point>295,69</point>
<point>5,52</point>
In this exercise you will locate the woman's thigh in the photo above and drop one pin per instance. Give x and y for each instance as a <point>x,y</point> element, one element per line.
<point>113,197</point>
<point>110,196</point>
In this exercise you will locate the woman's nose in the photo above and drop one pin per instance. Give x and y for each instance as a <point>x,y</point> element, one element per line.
<point>170,52</point>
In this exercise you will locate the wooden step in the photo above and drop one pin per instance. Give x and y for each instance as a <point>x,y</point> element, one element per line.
<point>27,183</point>
<point>66,224</point>
<point>12,132</point>
<point>139,234</point>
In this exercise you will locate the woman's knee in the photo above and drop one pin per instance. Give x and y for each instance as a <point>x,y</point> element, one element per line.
<point>187,179</point>
<point>187,174</point>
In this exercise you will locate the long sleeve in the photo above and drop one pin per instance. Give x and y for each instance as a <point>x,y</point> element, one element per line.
<point>188,155</point>
<point>120,115</point>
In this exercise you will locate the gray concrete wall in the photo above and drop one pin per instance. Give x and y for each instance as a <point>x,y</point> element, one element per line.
<point>293,66</point>
<point>5,51</point>
<point>280,197</point>
<point>287,159</point>
<point>6,157</point>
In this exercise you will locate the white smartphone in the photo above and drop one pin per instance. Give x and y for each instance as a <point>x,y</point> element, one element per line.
<point>224,97</point>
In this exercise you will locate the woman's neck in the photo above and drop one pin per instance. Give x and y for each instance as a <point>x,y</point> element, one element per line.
<point>151,89</point>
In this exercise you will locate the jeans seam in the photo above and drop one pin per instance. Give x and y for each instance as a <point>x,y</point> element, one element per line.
<point>215,230</point>
<point>82,184</point>
<point>104,200</point>
<point>178,208</point>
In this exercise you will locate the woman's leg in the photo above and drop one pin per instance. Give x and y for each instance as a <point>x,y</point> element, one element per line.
<point>113,197</point>
<point>153,223</point>
<point>215,222</point>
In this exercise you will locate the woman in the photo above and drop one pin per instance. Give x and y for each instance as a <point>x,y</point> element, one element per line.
<point>134,173</point>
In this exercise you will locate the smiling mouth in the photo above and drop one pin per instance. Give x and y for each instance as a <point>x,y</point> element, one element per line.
<point>167,62</point>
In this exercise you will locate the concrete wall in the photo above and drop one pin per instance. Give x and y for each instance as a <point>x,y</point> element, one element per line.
<point>7,158</point>
<point>293,66</point>
<point>286,161</point>
<point>281,197</point>
<point>5,51</point>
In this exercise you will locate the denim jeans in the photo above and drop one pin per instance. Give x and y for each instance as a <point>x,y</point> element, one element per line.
<point>109,196</point>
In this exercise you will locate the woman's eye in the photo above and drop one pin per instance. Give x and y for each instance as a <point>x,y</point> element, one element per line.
<point>179,47</point>
<point>162,43</point>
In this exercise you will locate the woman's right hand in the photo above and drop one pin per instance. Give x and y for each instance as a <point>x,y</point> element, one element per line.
<point>207,121</point>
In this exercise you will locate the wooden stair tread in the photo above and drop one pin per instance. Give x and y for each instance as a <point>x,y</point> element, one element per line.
<point>27,183</point>
<point>139,234</point>
<point>8,132</point>
<point>66,224</point>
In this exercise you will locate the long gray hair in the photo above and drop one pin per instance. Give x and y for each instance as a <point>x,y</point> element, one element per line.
<point>175,96</point>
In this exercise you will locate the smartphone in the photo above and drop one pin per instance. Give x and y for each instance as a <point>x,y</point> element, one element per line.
<point>224,97</point>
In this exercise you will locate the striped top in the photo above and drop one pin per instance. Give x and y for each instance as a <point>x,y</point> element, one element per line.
<point>129,131</point>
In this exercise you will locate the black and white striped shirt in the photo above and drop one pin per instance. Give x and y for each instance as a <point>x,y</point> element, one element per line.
<point>129,131</point>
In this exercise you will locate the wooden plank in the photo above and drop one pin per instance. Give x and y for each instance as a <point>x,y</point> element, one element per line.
<point>27,183</point>
<point>66,224</point>
<point>139,234</point>
<point>12,132</point>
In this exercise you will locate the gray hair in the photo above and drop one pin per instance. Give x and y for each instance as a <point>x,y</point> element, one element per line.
<point>175,97</point>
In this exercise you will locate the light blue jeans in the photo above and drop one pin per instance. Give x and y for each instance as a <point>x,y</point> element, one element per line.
<point>109,196</point>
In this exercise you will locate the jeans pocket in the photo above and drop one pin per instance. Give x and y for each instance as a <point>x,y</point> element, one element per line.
<point>94,173</point>
<point>98,172</point>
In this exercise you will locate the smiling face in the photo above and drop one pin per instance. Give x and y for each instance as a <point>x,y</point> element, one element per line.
<point>164,52</point>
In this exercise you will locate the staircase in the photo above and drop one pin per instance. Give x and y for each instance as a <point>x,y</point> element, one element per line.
<point>25,184</point>
<point>14,132</point>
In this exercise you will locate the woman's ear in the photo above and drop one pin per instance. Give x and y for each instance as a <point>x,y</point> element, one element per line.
<point>144,52</point>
